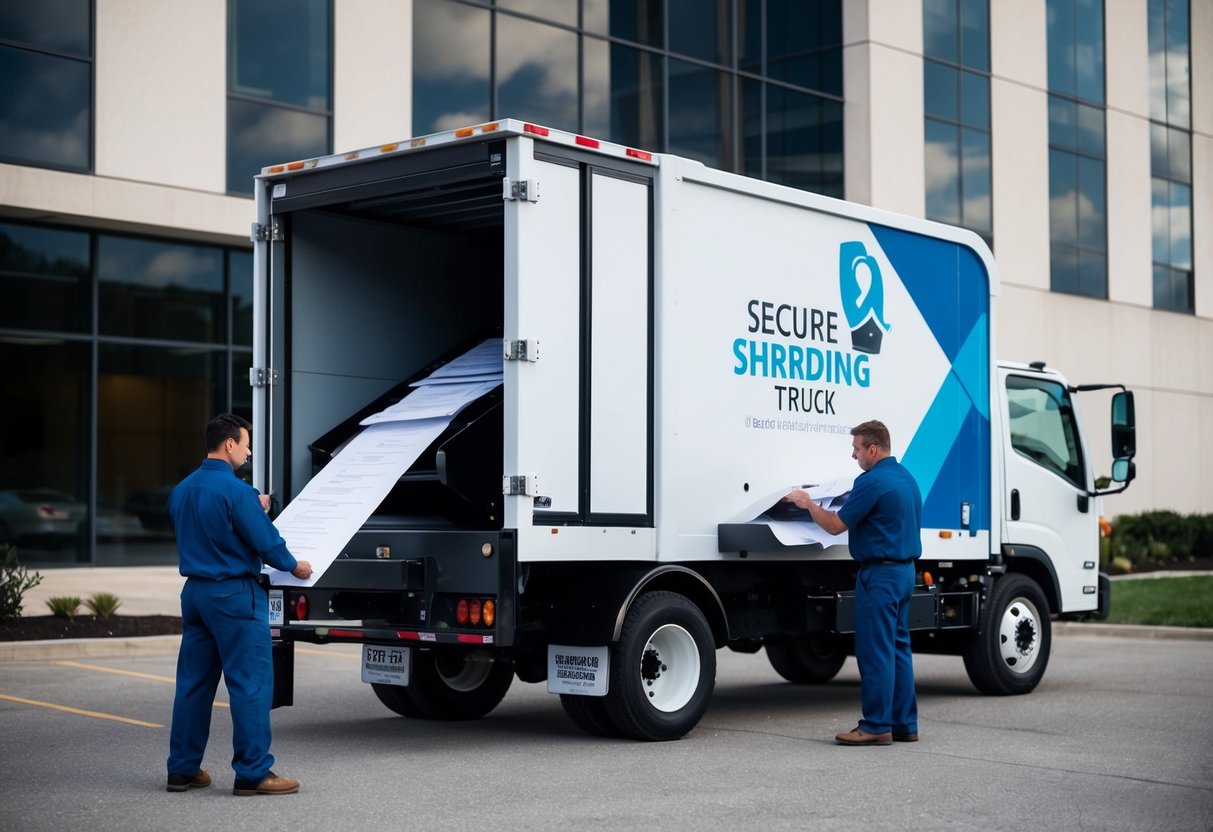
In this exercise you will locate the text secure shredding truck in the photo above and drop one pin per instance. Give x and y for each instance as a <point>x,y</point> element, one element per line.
<point>678,348</point>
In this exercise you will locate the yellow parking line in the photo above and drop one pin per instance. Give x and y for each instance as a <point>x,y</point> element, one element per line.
<point>133,673</point>
<point>80,712</point>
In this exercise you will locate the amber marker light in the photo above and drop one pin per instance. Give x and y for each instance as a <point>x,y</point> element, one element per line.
<point>489,611</point>
<point>946,534</point>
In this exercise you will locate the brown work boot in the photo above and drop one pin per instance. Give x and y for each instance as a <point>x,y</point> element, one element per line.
<point>271,784</point>
<point>184,782</point>
<point>858,736</point>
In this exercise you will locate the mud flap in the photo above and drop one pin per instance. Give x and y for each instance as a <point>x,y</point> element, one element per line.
<point>283,657</point>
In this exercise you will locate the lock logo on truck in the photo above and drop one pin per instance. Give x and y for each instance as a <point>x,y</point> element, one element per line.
<point>862,296</point>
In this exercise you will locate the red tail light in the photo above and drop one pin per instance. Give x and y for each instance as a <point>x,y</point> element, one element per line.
<point>474,611</point>
<point>461,612</point>
<point>301,607</point>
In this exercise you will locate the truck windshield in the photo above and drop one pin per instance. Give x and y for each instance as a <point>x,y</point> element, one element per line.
<point>1042,426</point>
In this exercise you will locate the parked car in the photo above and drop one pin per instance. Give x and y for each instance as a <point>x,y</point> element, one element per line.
<point>41,515</point>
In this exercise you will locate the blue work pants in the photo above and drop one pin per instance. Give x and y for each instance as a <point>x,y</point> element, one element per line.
<point>225,629</point>
<point>882,648</point>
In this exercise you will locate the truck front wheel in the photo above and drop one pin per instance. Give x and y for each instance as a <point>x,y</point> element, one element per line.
<point>1008,653</point>
<point>808,662</point>
<point>663,668</point>
<point>449,685</point>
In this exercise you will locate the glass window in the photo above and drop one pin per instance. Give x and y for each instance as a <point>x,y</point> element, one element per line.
<point>152,289</point>
<point>558,11</point>
<point>623,98</point>
<point>701,114</point>
<point>1075,48</point>
<point>278,50</point>
<point>975,200</point>
<point>804,44</point>
<point>940,88</point>
<point>44,279</point>
<point>1042,427</point>
<point>262,134</point>
<point>240,285</point>
<point>799,136</point>
<point>704,30</point>
<point>152,404</point>
<point>939,30</point>
<point>536,73</point>
<point>975,34</point>
<point>279,85</point>
<point>43,472</point>
<point>639,21</point>
<point>451,86</point>
<point>45,109</point>
<point>60,25</point>
<point>943,171</point>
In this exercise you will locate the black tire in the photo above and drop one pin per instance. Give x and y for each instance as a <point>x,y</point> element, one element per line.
<point>663,668</point>
<point>449,685</point>
<point>589,713</point>
<point>1008,653</point>
<point>808,662</point>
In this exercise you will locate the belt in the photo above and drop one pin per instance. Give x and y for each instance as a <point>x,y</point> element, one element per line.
<point>884,561</point>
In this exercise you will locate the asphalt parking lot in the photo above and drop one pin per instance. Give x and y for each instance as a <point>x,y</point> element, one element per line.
<point>1116,737</point>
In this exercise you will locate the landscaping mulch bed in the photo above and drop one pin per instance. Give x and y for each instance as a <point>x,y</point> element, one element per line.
<point>49,627</point>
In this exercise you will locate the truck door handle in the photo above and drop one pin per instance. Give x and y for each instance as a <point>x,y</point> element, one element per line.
<point>1014,503</point>
<point>1084,503</point>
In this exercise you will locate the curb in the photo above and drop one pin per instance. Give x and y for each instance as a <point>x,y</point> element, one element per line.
<point>86,648</point>
<point>1083,628</point>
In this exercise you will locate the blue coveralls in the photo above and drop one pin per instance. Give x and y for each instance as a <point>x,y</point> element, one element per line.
<point>224,537</point>
<point>883,514</point>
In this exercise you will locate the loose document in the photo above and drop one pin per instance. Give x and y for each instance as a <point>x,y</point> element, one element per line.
<point>829,495</point>
<point>332,507</point>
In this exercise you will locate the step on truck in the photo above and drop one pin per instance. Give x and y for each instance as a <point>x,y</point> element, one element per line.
<point>678,347</point>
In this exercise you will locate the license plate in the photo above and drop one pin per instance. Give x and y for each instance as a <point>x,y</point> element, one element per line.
<point>275,604</point>
<point>385,665</point>
<point>577,670</point>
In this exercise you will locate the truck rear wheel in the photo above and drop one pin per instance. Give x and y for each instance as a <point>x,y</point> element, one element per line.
<point>1008,653</point>
<point>663,668</point>
<point>806,662</point>
<point>589,713</point>
<point>449,685</point>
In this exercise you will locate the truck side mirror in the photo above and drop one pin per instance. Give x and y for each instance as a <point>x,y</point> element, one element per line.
<point>1123,470</point>
<point>1124,430</point>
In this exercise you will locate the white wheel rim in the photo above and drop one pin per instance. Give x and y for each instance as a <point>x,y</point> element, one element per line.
<point>669,668</point>
<point>1019,636</point>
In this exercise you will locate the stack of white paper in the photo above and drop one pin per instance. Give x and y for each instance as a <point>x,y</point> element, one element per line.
<point>326,515</point>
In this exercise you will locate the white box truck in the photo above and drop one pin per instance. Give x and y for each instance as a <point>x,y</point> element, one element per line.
<point>680,346</point>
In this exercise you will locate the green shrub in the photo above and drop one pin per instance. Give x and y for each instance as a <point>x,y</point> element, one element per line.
<point>103,604</point>
<point>14,581</point>
<point>1161,535</point>
<point>63,606</point>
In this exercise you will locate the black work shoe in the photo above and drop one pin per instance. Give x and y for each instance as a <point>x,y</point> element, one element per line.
<point>185,782</point>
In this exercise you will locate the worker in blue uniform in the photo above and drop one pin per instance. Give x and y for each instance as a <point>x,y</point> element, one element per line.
<point>883,515</point>
<point>224,536</point>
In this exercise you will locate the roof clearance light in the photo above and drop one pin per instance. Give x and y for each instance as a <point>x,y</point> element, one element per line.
<point>490,127</point>
<point>295,166</point>
<point>417,143</point>
<point>388,148</point>
<point>642,155</point>
<point>353,154</point>
<point>586,142</point>
<point>464,132</point>
<point>277,169</point>
<point>536,129</point>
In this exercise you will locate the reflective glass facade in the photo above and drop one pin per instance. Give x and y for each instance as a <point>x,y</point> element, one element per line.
<point>752,86</point>
<point>46,97</point>
<point>1078,204</point>
<point>279,85</point>
<point>118,349</point>
<point>956,100</point>
<point>1171,154</point>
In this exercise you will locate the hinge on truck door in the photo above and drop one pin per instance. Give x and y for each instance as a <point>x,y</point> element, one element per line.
<point>262,377</point>
<point>271,233</point>
<point>522,349</point>
<point>527,189</point>
<point>514,485</point>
